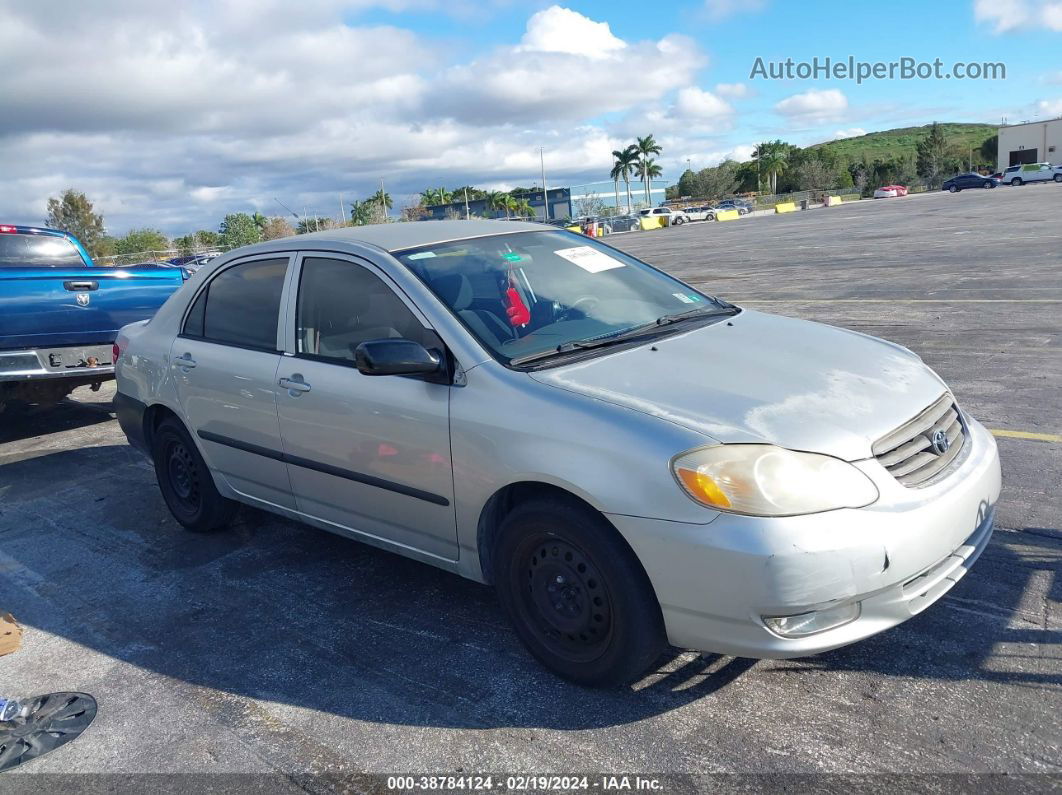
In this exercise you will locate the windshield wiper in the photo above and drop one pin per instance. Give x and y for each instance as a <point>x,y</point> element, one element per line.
<point>627,334</point>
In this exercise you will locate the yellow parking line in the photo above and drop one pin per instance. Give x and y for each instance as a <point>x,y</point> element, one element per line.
<point>1039,437</point>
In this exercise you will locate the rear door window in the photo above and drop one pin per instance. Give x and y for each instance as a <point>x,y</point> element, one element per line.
<point>38,251</point>
<point>240,306</point>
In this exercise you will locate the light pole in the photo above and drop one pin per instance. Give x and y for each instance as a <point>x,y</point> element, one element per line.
<point>545,190</point>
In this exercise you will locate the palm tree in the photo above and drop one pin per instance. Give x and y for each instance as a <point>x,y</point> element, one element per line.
<point>647,171</point>
<point>362,213</point>
<point>382,203</point>
<point>523,207</point>
<point>436,196</point>
<point>494,200</point>
<point>773,158</point>
<point>260,221</point>
<point>512,204</point>
<point>645,147</point>
<point>623,167</point>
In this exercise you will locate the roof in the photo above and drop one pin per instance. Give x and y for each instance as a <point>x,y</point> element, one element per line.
<point>396,236</point>
<point>37,230</point>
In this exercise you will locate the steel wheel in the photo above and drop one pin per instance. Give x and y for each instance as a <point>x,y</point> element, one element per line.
<point>183,475</point>
<point>185,481</point>
<point>565,600</point>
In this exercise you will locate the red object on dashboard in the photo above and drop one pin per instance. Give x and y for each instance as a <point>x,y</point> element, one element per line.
<point>519,314</point>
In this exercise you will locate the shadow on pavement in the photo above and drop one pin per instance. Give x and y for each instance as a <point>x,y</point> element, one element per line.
<point>277,611</point>
<point>20,421</point>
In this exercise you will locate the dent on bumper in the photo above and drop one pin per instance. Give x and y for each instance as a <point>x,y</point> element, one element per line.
<point>895,558</point>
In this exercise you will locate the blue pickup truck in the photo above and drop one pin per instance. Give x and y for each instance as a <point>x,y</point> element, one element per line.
<point>60,312</point>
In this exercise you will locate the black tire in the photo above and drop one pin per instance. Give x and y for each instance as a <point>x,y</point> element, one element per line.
<point>952,189</point>
<point>576,594</point>
<point>679,221</point>
<point>186,483</point>
<point>1058,177</point>
<point>989,184</point>
<point>1016,182</point>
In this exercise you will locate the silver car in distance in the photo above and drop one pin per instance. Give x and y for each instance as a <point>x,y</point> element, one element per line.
<point>629,461</point>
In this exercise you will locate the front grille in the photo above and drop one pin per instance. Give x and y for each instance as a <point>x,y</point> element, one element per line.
<point>909,454</point>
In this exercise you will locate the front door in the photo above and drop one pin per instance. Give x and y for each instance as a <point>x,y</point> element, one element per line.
<point>224,365</point>
<point>367,454</point>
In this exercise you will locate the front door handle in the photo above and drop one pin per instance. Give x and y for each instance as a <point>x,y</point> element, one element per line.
<point>185,362</point>
<point>295,385</point>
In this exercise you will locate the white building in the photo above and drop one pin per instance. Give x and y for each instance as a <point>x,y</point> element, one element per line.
<point>1031,142</point>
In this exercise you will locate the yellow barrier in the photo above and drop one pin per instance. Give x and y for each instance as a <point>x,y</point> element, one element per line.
<point>832,201</point>
<point>727,215</point>
<point>785,207</point>
<point>652,221</point>
<point>574,228</point>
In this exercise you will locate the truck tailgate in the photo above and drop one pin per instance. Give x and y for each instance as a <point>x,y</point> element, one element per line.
<point>50,307</point>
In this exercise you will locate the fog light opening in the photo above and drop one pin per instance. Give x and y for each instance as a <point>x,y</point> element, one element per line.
<point>804,624</point>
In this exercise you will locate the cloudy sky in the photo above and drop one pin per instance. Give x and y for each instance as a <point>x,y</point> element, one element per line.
<point>170,114</point>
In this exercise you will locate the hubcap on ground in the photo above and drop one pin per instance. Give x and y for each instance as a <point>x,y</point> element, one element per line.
<point>568,601</point>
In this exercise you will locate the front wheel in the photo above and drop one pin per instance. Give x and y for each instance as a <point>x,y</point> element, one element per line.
<point>577,596</point>
<point>1016,182</point>
<point>185,481</point>
<point>990,184</point>
<point>1058,177</point>
<point>679,221</point>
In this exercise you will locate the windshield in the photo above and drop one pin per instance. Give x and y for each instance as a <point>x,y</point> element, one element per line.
<point>531,292</point>
<point>35,251</point>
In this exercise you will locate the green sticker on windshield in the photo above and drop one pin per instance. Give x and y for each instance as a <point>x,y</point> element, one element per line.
<point>512,256</point>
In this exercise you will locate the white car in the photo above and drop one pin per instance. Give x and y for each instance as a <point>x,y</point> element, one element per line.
<point>674,217</point>
<point>705,213</point>
<point>1032,172</point>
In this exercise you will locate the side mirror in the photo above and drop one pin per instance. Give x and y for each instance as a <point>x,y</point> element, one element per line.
<point>396,357</point>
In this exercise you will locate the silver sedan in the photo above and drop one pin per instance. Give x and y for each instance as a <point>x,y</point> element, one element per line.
<point>628,460</point>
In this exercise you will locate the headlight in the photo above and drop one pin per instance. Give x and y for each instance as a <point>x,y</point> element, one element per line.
<point>764,480</point>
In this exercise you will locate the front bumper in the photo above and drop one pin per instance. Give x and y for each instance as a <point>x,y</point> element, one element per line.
<point>716,582</point>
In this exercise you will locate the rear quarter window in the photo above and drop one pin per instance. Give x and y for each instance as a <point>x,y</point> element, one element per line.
<point>38,251</point>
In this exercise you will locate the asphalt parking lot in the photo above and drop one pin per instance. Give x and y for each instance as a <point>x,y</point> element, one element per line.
<point>277,648</point>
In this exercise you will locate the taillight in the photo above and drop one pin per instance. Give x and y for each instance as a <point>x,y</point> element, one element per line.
<point>116,351</point>
<point>7,230</point>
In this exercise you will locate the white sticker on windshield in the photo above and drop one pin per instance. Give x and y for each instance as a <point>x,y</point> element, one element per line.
<point>589,259</point>
<point>684,298</point>
<point>421,255</point>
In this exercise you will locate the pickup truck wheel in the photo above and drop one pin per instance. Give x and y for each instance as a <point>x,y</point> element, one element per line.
<point>186,483</point>
<point>576,594</point>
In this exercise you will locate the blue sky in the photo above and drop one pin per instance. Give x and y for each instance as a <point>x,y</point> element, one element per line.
<point>170,114</point>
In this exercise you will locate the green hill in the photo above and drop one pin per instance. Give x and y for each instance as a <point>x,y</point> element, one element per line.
<point>901,142</point>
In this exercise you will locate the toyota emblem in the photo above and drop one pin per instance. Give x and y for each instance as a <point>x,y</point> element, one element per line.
<point>940,442</point>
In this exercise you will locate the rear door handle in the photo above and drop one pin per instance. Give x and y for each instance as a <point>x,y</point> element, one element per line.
<point>185,362</point>
<point>78,287</point>
<point>295,385</point>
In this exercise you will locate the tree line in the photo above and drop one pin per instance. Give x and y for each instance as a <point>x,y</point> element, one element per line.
<point>73,212</point>
<point>779,167</point>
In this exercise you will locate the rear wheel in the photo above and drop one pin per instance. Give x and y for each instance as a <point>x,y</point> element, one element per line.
<point>989,184</point>
<point>953,189</point>
<point>185,481</point>
<point>577,596</point>
<point>1058,177</point>
<point>1016,181</point>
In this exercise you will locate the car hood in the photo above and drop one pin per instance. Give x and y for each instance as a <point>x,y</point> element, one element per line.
<point>764,378</point>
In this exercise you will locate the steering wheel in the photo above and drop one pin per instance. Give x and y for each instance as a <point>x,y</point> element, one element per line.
<point>582,305</point>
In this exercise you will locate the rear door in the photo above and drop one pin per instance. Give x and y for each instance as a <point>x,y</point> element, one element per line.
<point>366,454</point>
<point>50,296</point>
<point>224,364</point>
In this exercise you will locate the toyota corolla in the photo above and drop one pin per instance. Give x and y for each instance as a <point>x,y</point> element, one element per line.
<point>628,460</point>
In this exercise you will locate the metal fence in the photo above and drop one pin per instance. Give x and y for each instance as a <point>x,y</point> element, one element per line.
<point>160,257</point>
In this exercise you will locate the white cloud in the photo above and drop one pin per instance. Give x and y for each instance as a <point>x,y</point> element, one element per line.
<point>172,115</point>
<point>732,90</point>
<point>851,132</point>
<point>718,10</point>
<point>559,29</point>
<point>1049,108</point>
<point>814,106</point>
<point>693,103</point>
<point>1008,15</point>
